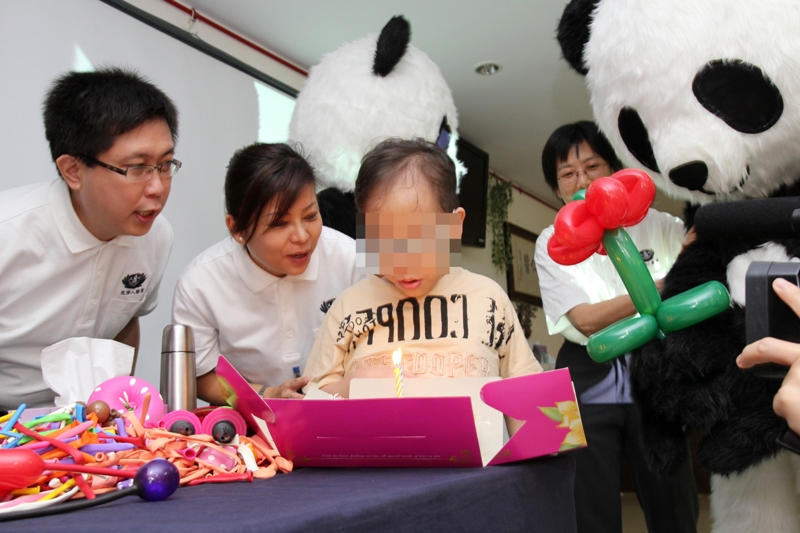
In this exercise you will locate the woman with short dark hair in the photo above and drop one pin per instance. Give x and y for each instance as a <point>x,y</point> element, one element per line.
<point>580,300</point>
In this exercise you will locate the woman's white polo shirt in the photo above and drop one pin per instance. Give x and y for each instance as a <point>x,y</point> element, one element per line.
<point>264,325</point>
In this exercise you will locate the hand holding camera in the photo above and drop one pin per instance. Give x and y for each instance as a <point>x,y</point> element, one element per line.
<point>772,350</point>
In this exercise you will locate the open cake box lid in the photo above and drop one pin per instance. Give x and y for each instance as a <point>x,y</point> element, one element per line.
<point>414,432</point>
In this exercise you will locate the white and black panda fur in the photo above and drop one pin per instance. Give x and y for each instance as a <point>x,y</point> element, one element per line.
<point>360,94</point>
<point>705,96</point>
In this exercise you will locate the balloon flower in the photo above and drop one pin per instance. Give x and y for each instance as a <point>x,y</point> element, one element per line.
<point>594,222</point>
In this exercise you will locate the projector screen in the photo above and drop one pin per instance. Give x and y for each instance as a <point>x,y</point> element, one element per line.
<point>221,109</point>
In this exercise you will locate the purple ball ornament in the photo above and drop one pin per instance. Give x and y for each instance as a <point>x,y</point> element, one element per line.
<point>157,480</point>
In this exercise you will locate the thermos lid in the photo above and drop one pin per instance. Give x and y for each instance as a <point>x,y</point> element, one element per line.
<point>177,338</point>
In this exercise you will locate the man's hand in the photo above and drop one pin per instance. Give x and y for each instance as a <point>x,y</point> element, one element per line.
<point>770,350</point>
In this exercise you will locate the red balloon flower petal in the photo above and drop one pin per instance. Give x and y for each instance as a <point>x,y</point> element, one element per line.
<point>607,200</point>
<point>641,192</point>
<point>576,226</point>
<point>569,255</point>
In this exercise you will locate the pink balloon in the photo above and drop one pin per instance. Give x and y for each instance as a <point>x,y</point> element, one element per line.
<point>576,227</point>
<point>607,200</point>
<point>641,192</point>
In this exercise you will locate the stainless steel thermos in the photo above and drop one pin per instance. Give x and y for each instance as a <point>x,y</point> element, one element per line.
<point>178,376</point>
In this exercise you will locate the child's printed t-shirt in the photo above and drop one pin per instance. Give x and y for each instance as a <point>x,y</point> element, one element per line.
<point>465,327</point>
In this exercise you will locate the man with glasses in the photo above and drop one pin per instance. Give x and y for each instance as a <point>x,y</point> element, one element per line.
<point>83,255</point>
<point>580,300</point>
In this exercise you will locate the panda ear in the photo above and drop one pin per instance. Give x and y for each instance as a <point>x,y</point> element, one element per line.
<point>573,31</point>
<point>392,44</point>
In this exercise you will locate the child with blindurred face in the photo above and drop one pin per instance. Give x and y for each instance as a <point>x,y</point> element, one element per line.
<point>448,321</point>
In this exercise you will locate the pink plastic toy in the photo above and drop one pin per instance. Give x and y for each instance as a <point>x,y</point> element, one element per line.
<point>126,393</point>
<point>181,421</point>
<point>224,424</point>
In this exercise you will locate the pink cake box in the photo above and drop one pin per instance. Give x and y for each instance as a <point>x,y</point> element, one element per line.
<point>411,432</point>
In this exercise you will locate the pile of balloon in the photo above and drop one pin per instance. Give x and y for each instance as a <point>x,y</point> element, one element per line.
<point>117,444</point>
<point>594,222</point>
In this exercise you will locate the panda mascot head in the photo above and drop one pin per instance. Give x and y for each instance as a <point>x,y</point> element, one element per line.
<point>364,92</point>
<point>703,94</point>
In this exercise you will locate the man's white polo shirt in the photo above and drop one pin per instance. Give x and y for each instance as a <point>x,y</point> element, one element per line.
<point>264,325</point>
<point>58,281</point>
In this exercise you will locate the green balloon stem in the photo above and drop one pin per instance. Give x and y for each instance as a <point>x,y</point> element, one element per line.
<point>580,195</point>
<point>693,306</point>
<point>630,267</point>
<point>621,337</point>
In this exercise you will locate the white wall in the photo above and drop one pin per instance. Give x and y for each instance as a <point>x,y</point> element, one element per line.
<point>221,109</point>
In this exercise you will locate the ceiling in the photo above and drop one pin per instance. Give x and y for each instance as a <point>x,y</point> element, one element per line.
<point>509,115</point>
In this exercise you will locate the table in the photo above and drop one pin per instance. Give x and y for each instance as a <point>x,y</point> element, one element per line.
<point>532,496</point>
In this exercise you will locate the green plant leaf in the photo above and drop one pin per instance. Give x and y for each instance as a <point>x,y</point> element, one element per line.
<point>499,199</point>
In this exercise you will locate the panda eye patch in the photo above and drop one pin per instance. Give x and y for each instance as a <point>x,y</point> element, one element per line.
<point>740,94</point>
<point>634,135</point>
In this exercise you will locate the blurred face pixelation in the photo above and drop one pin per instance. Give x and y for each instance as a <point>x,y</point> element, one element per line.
<point>406,238</point>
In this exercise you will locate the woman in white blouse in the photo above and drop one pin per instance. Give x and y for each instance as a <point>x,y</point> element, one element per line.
<point>259,297</point>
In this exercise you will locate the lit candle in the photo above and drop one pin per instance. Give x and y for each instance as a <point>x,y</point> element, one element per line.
<point>397,360</point>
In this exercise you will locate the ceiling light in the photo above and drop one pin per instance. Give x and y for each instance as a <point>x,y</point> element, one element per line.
<point>487,68</point>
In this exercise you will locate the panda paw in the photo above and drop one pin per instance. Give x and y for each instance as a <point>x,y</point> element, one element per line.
<point>664,444</point>
<point>747,439</point>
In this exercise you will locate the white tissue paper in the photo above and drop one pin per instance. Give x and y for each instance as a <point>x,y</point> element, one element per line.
<point>74,367</point>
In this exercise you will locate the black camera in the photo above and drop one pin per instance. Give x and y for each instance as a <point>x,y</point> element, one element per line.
<point>766,314</point>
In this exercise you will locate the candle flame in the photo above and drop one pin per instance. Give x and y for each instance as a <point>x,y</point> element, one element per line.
<point>397,357</point>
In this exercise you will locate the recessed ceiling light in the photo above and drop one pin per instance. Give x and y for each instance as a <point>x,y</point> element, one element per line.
<point>487,68</point>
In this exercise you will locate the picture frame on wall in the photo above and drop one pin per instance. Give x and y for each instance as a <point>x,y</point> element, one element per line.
<point>521,276</point>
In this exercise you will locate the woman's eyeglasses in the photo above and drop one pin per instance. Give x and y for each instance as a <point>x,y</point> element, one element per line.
<point>592,171</point>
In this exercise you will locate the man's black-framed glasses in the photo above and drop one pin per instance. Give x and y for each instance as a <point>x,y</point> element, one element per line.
<point>167,169</point>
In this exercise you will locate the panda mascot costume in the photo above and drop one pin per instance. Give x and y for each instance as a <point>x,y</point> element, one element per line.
<point>360,94</point>
<point>705,96</point>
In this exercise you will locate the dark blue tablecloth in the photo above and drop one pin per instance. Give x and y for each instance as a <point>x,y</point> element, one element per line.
<point>534,496</point>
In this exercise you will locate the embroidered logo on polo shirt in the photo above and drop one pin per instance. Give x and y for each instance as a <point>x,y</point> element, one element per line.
<point>326,305</point>
<point>133,283</point>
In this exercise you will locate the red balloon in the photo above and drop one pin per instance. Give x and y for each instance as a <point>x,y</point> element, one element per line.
<point>568,255</point>
<point>576,227</point>
<point>19,467</point>
<point>607,200</point>
<point>641,192</point>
